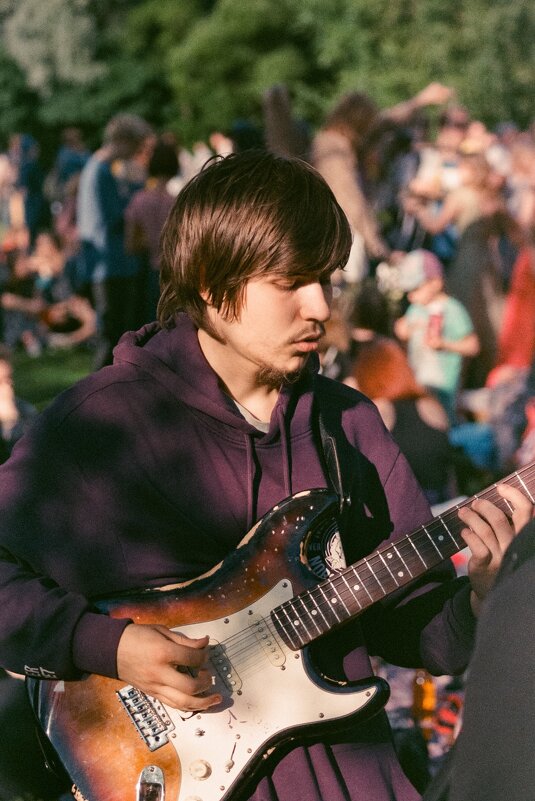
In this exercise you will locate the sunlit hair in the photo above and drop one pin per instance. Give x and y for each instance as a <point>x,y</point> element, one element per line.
<point>354,116</point>
<point>244,216</point>
<point>382,370</point>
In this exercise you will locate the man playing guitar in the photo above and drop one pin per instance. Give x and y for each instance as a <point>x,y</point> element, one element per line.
<point>150,472</point>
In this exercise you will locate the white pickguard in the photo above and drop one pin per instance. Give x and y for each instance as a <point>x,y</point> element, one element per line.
<point>271,693</point>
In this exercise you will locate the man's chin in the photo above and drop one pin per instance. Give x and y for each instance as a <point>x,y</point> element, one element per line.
<point>275,378</point>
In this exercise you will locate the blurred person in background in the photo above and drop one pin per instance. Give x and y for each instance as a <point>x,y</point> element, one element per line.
<point>338,153</point>
<point>436,327</point>
<point>104,192</point>
<point>414,417</point>
<point>16,414</point>
<point>50,313</point>
<point>25,152</point>
<point>145,216</point>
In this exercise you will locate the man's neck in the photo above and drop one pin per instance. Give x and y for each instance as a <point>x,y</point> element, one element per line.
<point>239,382</point>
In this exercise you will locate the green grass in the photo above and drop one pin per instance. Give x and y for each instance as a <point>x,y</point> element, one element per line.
<point>39,379</point>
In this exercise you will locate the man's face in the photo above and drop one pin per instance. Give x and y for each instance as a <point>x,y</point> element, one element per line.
<point>279,325</point>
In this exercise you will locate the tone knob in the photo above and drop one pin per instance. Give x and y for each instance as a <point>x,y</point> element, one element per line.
<point>200,769</point>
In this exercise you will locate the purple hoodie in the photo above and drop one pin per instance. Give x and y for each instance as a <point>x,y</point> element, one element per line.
<point>145,473</point>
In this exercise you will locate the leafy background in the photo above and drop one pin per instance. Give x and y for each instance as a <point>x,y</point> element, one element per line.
<point>194,66</point>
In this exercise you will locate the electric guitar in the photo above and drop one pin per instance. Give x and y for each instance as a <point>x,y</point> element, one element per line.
<point>262,606</point>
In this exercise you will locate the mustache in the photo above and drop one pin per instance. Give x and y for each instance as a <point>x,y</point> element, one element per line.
<point>307,333</point>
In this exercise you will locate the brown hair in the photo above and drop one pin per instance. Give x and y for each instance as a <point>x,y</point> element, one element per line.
<point>243,216</point>
<point>382,370</point>
<point>354,116</point>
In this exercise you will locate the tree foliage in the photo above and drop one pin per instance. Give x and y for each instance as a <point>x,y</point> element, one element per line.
<point>196,65</point>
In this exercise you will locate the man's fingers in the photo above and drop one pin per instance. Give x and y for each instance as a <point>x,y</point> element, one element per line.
<point>180,700</point>
<point>167,665</point>
<point>488,522</point>
<point>184,650</point>
<point>520,506</point>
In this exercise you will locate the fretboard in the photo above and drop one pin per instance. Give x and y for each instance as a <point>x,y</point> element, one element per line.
<point>353,589</point>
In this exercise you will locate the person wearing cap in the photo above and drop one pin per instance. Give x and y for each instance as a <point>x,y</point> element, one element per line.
<point>436,327</point>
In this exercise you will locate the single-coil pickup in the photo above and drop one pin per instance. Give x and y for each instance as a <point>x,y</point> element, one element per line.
<point>148,716</point>
<point>224,668</point>
<point>268,640</point>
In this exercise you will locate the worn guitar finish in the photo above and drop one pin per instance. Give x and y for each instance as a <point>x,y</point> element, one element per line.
<point>261,607</point>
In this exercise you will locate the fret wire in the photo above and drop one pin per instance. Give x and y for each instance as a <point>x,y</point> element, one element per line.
<point>293,630</point>
<point>329,604</point>
<point>362,580</point>
<point>299,598</point>
<point>333,585</point>
<point>441,524</point>
<point>504,500</point>
<point>530,496</point>
<point>402,559</point>
<point>342,576</point>
<point>292,622</point>
<point>311,594</point>
<point>386,565</point>
<point>417,552</point>
<point>362,583</point>
<point>344,592</point>
<point>431,540</point>
<point>373,574</point>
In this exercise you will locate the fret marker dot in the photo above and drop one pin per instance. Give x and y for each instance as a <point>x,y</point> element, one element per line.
<point>400,573</point>
<point>314,612</point>
<point>389,556</point>
<point>356,587</point>
<point>441,537</point>
<point>296,622</point>
<point>333,600</point>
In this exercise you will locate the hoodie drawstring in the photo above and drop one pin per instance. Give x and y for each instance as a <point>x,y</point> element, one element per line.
<point>286,455</point>
<point>250,479</point>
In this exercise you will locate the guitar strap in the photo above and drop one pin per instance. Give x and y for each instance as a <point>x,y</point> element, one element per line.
<point>336,458</point>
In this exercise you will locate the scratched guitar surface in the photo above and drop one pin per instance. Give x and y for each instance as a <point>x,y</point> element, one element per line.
<point>266,686</point>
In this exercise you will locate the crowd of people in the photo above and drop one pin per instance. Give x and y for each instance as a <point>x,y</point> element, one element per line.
<point>433,315</point>
<point>80,246</point>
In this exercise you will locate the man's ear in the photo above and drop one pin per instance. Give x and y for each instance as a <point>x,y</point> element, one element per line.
<point>206,296</point>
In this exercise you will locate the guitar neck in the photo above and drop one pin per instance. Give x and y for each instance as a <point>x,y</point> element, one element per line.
<point>314,612</point>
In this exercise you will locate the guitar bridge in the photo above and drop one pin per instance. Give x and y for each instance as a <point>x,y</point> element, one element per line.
<point>148,716</point>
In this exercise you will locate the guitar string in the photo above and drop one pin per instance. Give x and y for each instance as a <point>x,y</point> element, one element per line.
<point>417,538</point>
<point>240,643</point>
<point>385,572</point>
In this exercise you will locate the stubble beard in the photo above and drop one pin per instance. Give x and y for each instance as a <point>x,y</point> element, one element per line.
<point>273,378</point>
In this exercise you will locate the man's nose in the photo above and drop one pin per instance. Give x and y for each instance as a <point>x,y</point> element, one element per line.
<point>316,301</point>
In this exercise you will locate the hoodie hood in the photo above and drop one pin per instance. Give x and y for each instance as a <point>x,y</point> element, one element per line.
<point>173,358</point>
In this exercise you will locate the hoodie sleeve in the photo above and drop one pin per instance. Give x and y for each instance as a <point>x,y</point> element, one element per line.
<point>48,628</point>
<point>429,622</point>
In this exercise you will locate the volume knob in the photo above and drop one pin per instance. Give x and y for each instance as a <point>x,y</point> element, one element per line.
<point>200,769</point>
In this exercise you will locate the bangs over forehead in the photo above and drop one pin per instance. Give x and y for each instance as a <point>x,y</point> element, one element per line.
<point>245,216</point>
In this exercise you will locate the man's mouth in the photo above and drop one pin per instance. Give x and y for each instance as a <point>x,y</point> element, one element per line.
<point>307,345</point>
<point>309,338</point>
